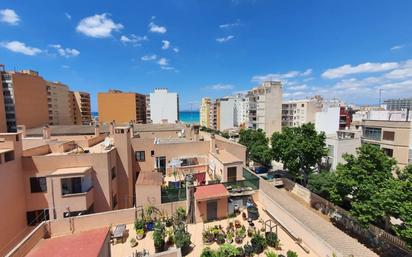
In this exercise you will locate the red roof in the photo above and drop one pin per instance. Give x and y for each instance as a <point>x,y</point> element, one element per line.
<point>210,192</point>
<point>83,244</point>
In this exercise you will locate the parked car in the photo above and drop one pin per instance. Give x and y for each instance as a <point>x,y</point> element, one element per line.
<point>261,169</point>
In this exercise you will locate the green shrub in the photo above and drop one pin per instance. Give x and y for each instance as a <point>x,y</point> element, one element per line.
<point>227,250</point>
<point>291,253</point>
<point>208,252</point>
<point>258,243</point>
<point>271,254</point>
<point>272,239</point>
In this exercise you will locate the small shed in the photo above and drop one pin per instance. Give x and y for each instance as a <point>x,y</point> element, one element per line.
<point>211,202</point>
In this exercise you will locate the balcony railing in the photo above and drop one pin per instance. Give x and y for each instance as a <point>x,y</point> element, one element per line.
<point>173,195</point>
<point>250,181</point>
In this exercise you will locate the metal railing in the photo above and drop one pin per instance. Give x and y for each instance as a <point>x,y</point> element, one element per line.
<point>250,180</point>
<point>169,195</point>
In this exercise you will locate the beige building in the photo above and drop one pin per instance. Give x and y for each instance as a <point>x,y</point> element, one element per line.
<point>81,107</point>
<point>265,104</point>
<point>343,142</point>
<point>121,107</point>
<point>25,99</point>
<point>205,111</point>
<point>298,112</point>
<point>59,103</point>
<point>394,137</point>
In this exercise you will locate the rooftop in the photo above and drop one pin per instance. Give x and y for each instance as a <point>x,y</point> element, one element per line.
<point>225,157</point>
<point>71,171</point>
<point>150,178</point>
<point>83,244</point>
<point>210,192</point>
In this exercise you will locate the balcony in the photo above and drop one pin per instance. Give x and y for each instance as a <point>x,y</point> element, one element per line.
<point>79,201</point>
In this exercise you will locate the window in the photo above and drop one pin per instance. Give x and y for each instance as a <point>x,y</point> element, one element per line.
<point>389,135</point>
<point>71,185</point>
<point>140,156</point>
<point>152,153</point>
<point>372,133</point>
<point>38,185</point>
<point>114,172</point>
<point>388,152</point>
<point>37,216</point>
<point>9,156</point>
<point>114,201</point>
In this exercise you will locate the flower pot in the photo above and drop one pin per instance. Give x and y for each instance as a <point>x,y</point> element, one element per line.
<point>239,240</point>
<point>139,236</point>
<point>150,226</point>
<point>160,248</point>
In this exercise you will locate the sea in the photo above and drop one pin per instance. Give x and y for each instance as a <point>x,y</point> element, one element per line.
<point>189,117</point>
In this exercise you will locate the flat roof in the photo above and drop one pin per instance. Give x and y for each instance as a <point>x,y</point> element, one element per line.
<point>208,192</point>
<point>71,171</point>
<point>226,157</point>
<point>150,178</point>
<point>5,150</point>
<point>83,244</point>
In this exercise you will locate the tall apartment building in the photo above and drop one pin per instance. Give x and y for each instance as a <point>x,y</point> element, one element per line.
<point>394,137</point>
<point>205,117</point>
<point>25,99</point>
<point>59,104</point>
<point>121,107</point>
<point>81,107</point>
<point>164,106</point>
<point>398,104</point>
<point>215,114</point>
<point>265,107</point>
<point>298,112</point>
<point>148,115</point>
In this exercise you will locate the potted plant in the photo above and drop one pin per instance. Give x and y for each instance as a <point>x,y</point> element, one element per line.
<point>229,237</point>
<point>139,224</point>
<point>291,253</point>
<point>271,254</point>
<point>182,239</point>
<point>208,252</point>
<point>208,237</point>
<point>240,234</point>
<point>180,214</point>
<point>170,236</point>
<point>168,221</point>
<point>139,234</point>
<point>237,224</point>
<point>272,239</point>
<point>220,238</point>
<point>159,236</point>
<point>252,212</point>
<point>258,243</point>
<point>228,250</point>
<point>241,252</point>
<point>248,250</point>
<point>251,230</point>
<point>133,242</point>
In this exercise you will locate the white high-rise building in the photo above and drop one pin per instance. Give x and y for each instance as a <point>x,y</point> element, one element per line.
<point>164,106</point>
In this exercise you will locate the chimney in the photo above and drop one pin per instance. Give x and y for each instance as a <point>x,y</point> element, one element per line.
<point>212,143</point>
<point>96,129</point>
<point>46,132</point>
<point>22,129</point>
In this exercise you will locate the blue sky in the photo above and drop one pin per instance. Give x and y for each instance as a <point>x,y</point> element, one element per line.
<point>346,49</point>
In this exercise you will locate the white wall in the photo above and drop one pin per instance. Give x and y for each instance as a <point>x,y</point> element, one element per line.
<point>227,113</point>
<point>164,105</point>
<point>340,147</point>
<point>328,120</point>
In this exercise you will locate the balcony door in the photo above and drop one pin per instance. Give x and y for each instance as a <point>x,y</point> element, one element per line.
<point>161,164</point>
<point>231,174</point>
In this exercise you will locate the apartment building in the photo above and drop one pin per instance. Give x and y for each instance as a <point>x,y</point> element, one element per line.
<point>59,104</point>
<point>164,106</point>
<point>25,99</point>
<point>121,107</point>
<point>215,114</point>
<point>205,112</point>
<point>265,107</point>
<point>298,112</point>
<point>332,118</point>
<point>394,137</point>
<point>398,104</point>
<point>148,115</point>
<point>81,107</point>
<point>343,142</point>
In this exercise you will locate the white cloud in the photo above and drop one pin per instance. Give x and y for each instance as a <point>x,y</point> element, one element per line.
<point>398,86</point>
<point>65,52</point>
<point>20,47</point>
<point>229,25</point>
<point>98,26</point>
<point>221,86</point>
<point>404,71</point>
<point>156,28</point>
<point>64,66</point>
<point>176,49</point>
<point>9,16</point>
<point>68,16</point>
<point>368,67</point>
<point>224,39</point>
<point>282,76</point>
<point>163,62</point>
<point>298,87</point>
<point>166,44</point>
<point>133,39</point>
<point>397,47</point>
<point>149,57</point>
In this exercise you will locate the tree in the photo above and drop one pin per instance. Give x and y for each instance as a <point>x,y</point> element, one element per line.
<point>322,183</point>
<point>299,148</point>
<point>367,182</point>
<point>257,145</point>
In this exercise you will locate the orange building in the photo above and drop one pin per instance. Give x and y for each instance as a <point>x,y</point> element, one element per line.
<point>25,99</point>
<point>80,102</point>
<point>3,122</point>
<point>121,107</point>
